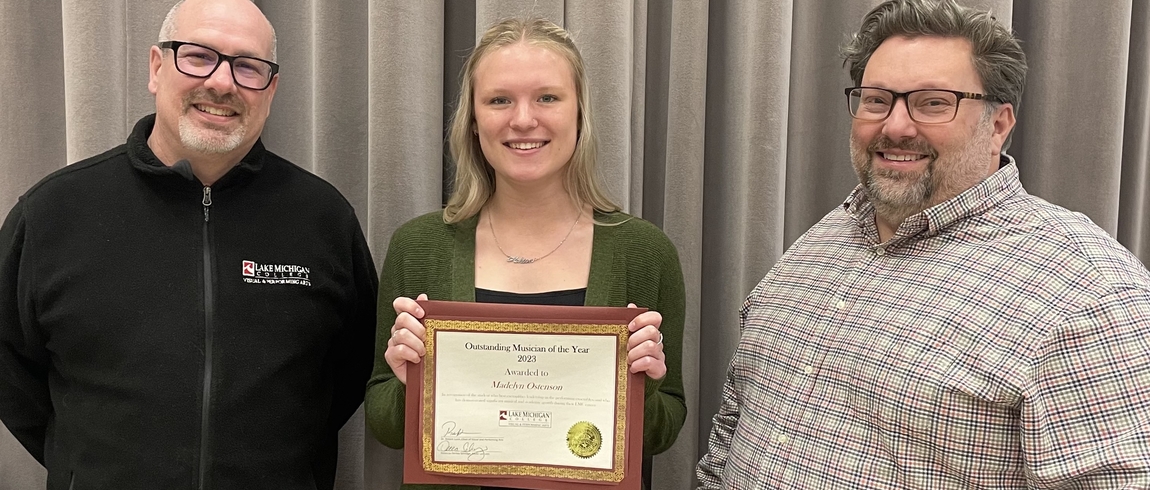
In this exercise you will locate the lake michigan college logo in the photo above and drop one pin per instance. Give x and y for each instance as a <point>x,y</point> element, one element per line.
<point>256,273</point>
<point>524,418</point>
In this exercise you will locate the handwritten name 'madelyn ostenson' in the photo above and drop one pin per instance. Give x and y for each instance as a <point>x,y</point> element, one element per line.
<point>528,356</point>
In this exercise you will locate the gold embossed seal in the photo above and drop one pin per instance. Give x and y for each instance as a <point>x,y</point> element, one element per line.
<point>584,439</point>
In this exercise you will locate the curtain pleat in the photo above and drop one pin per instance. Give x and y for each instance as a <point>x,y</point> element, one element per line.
<point>95,48</point>
<point>1134,205</point>
<point>404,107</point>
<point>488,12</point>
<point>745,183</point>
<point>32,133</point>
<point>722,121</point>
<point>1069,135</point>
<point>672,193</point>
<point>604,33</point>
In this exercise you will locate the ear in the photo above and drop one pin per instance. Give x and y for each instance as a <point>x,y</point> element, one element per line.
<point>1003,120</point>
<point>270,92</point>
<point>155,62</point>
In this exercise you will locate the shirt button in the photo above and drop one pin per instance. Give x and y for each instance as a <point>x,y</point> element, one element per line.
<point>841,304</point>
<point>808,370</point>
<point>880,251</point>
<point>782,439</point>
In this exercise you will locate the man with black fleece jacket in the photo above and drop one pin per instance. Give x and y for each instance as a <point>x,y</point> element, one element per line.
<point>187,310</point>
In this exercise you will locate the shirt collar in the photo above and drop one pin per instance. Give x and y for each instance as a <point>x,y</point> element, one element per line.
<point>974,201</point>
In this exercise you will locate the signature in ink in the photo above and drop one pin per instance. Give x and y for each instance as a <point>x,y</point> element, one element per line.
<point>473,451</point>
<point>452,431</point>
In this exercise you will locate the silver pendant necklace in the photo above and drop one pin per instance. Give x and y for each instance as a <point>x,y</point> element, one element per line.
<point>515,259</point>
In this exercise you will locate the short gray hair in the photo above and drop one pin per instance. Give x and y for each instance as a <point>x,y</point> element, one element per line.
<point>998,58</point>
<point>168,28</point>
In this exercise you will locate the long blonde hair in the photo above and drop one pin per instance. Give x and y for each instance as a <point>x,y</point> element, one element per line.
<point>474,180</point>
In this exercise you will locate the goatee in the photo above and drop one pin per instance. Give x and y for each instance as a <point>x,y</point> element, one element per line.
<point>211,140</point>
<point>895,195</point>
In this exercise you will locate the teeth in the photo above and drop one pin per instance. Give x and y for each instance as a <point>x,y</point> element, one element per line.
<point>215,111</point>
<point>902,158</point>
<point>526,146</point>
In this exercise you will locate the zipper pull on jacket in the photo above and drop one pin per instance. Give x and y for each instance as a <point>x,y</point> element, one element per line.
<point>207,200</point>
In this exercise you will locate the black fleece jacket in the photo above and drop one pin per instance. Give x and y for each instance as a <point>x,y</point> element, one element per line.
<point>155,333</point>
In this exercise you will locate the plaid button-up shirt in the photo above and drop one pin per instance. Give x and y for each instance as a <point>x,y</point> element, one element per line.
<point>996,341</point>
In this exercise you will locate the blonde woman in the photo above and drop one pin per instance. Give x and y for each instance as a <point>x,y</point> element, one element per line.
<point>529,222</point>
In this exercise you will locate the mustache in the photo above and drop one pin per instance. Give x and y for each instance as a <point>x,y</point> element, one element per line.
<point>881,143</point>
<point>206,95</point>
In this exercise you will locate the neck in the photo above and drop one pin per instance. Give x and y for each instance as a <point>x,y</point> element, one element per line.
<point>207,167</point>
<point>520,206</point>
<point>886,229</point>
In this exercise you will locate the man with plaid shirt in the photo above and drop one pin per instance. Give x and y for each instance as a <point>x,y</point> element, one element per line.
<point>942,328</point>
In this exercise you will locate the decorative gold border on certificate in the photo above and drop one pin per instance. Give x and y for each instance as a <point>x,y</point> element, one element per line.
<point>427,435</point>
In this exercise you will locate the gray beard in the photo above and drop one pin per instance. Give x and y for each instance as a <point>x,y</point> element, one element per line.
<point>205,140</point>
<point>898,196</point>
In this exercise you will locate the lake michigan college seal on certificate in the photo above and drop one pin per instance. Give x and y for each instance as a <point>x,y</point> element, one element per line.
<point>584,439</point>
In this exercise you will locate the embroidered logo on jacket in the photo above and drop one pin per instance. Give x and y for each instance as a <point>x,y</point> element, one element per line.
<point>256,273</point>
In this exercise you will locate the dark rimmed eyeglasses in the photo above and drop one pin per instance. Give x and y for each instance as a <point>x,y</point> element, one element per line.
<point>199,61</point>
<point>926,106</point>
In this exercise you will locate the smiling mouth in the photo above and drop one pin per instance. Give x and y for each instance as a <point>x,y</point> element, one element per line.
<point>215,111</point>
<point>525,145</point>
<point>901,158</point>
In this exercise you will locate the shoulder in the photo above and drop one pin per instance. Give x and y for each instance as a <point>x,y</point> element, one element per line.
<point>420,257</point>
<point>430,225</point>
<point>631,230</point>
<point>303,195</point>
<point>302,182</point>
<point>423,234</point>
<point>1040,261</point>
<point>77,177</point>
<point>640,240</point>
<point>837,225</point>
<point>1073,247</point>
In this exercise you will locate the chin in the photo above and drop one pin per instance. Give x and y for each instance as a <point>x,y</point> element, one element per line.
<point>210,141</point>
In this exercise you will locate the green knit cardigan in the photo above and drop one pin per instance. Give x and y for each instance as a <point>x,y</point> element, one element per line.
<point>632,261</point>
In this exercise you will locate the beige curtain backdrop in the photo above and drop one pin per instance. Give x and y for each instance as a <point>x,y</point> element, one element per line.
<point>722,121</point>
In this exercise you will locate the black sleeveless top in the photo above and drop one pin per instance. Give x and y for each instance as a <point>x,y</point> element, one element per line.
<point>569,297</point>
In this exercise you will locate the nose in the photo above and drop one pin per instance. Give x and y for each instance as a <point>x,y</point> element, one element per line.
<point>221,79</point>
<point>898,125</point>
<point>524,118</point>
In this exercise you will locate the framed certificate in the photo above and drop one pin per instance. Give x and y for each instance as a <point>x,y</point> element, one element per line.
<point>524,396</point>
